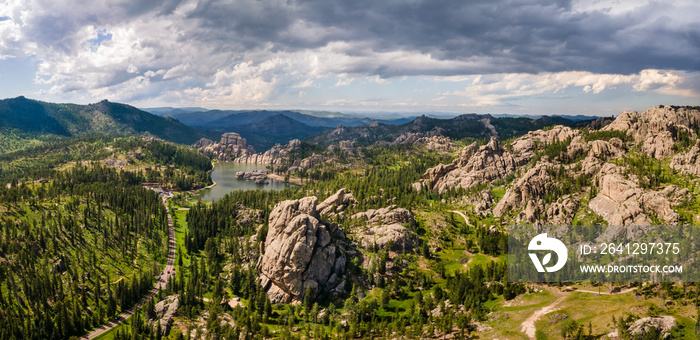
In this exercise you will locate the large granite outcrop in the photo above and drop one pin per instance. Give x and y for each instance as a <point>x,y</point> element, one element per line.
<point>278,154</point>
<point>658,127</point>
<point>385,226</point>
<point>622,202</point>
<point>259,176</point>
<point>486,163</point>
<point>527,191</point>
<point>301,250</point>
<point>476,164</point>
<point>662,325</point>
<point>688,162</point>
<point>165,311</point>
<point>231,146</point>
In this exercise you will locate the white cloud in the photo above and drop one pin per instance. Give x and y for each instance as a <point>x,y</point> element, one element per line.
<point>496,89</point>
<point>253,53</point>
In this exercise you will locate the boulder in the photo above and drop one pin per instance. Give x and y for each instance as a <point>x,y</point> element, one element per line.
<point>336,203</point>
<point>663,324</point>
<point>165,311</point>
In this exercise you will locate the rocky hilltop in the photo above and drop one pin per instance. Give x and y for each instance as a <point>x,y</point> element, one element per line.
<point>302,250</point>
<point>658,128</point>
<point>549,173</point>
<point>231,146</point>
<point>389,227</point>
<point>477,164</point>
<point>278,154</point>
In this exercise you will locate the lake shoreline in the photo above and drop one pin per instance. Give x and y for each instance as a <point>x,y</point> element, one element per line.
<point>280,178</point>
<point>224,181</point>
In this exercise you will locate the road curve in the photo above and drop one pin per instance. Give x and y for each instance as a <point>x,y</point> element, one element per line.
<point>160,284</point>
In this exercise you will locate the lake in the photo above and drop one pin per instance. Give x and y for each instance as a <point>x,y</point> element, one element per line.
<point>224,175</point>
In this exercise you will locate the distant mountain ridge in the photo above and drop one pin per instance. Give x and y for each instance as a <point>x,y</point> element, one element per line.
<point>463,126</point>
<point>279,128</point>
<point>102,118</point>
<point>223,119</point>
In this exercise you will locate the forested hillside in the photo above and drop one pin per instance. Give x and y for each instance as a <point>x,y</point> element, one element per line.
<point>23,119</point>
<point>76,249</point>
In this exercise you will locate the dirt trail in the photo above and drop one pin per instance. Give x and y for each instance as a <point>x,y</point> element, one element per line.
<point>624,291</point>
<point>466,220</point>
<point>528,326</point>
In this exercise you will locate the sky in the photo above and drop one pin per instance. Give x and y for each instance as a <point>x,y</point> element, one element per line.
<point>484,56</point>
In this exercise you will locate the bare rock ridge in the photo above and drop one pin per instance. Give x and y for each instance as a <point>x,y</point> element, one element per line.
<point>486,163</point>
<point>532,194</point>
<point>475,164</point>
<point>283,154</point>
<point>658,127</point>
<point>301,250</point>
<point>231,146</point>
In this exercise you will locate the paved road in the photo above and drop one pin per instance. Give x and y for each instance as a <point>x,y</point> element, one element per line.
<point>158,286</point>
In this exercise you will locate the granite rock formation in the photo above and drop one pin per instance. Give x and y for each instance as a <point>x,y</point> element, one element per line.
<point>301,250</point>
<point>230,147</point>
<point>390,225</point>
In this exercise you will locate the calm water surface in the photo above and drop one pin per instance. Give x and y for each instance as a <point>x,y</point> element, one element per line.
<point>224,174</point>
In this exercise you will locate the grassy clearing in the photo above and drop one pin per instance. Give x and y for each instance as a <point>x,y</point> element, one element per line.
<point>506,320</point>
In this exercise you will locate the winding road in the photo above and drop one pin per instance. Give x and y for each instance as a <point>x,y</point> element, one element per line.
<point>160,284</point>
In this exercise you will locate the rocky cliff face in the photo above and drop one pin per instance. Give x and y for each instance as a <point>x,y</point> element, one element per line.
<point>278,154</point>
<point>301,250</point>
<point>231,146</point>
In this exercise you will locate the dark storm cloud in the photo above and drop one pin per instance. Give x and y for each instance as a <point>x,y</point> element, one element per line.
<point>58,25</point>
<point>506,36</point>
